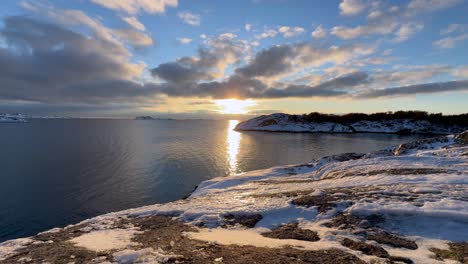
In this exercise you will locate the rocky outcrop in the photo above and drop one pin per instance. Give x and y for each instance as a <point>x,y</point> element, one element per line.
<point>294,123</point>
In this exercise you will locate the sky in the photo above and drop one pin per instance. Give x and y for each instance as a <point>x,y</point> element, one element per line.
<point>219,59</point>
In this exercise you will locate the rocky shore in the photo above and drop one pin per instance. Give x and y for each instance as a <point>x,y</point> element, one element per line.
<point>280,122</point>
<point>403,204</point>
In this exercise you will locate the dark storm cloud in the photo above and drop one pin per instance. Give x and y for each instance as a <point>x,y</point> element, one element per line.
<point>425,88</point>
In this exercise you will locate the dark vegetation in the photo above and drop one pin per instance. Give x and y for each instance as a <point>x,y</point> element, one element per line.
<point>435,118</point>
<point>456,251</point>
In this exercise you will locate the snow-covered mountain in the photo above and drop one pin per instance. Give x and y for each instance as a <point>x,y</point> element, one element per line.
<point>12,118</point>
<point>403,204</point>
<point>280,122</point>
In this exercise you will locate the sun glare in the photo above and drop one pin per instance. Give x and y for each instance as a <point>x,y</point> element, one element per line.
<point>234,106</point>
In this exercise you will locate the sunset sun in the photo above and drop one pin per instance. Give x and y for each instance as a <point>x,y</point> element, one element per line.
<point>234,106</point>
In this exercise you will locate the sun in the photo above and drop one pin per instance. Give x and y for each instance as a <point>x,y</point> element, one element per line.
<point>234,106</point>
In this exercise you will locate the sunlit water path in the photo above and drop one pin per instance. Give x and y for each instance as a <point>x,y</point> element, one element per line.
<point>57,172</point>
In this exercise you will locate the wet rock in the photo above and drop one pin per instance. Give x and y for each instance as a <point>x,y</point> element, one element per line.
<point>322,202</point>
<point>268,122</point>
<point>247,220</point>
<point>292,231</point>
<point>394,259</point>
<point>349,221</point>
<point>462,138</point>
<point>365,248</point>
<point>383,237</point>
<point>419,145</point>
<point>341,157</point>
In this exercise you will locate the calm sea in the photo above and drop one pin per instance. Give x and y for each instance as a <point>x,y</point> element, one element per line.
<point>58,172</point>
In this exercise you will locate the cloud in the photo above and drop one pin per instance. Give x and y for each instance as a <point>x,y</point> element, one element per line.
<point>407,75</point>
<point>185,40</point>
<point>352,7</point>
<point>452,39</point>
<point>454,28</point>
<point>450,42</point>
<point>133,21</point>
<point>135,6</point>
<point>190,18</point>
<point>201,103</point>
<point>268,33</point>
<point>50,64</point>
<point>385,20</point>
<point>208,65</point>
<point>71,17</point>
<point>227,36</point>
<point>280,61</point>
<point>335,87</point>
<point>193,76</point>
<point>417,6</point>
<point>269,62</point>
<point>360,31</point>
<point>248,27</point>
<point>461,71</point>
<point>135,38</point>
<point>45,63</point>
<point>319,32</point>
<point>425,88</point>
<point>289,32</point>
<point>406,31</point>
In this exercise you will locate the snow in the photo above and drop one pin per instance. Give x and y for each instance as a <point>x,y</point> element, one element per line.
<point>9,247</point>
<point>249,237</point>
<point>283,122</point>
<point>421,191</point>
<point>102,240</point>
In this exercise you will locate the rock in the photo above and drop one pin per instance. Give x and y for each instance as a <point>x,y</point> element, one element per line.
<point>268,122</point>
<point>248,221</point>
<point>292,231</point>
<point>383,237</point>
<point>462,138</point>
<point>365,248</point>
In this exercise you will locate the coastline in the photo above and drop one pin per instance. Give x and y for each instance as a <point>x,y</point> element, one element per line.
<point>338,207</point>
<point>280,122</point>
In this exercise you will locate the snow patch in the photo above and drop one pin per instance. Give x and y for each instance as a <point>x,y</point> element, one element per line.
<point>102,240</point>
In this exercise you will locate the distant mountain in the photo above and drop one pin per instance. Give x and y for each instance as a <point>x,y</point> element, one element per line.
<point>401,122</point>
<point>12,118</point>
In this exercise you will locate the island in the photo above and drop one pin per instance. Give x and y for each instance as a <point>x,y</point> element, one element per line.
<point>144,118</point>
<point>402,204</point>
<point>12,118</point>
<point>400,122</point>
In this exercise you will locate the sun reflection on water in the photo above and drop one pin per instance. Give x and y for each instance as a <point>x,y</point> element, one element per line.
<point>233,143</point>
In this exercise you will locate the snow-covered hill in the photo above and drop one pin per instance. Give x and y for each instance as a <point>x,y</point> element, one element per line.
<point>403,204</point>
<point>12,118</point>
<point>289,123</point>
